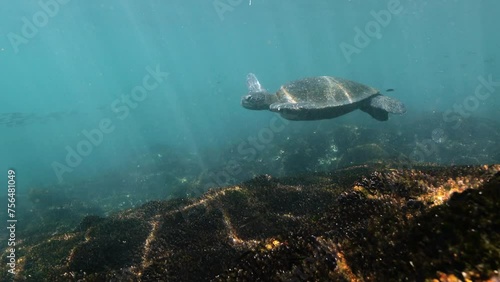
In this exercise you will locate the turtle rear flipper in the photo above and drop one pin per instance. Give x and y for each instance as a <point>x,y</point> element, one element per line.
<point>379,106</point>
<point>387,104</point>
<point>376,113</point>
<point>253,84</point>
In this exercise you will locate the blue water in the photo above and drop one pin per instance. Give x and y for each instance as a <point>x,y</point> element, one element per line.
<point>89,54</point>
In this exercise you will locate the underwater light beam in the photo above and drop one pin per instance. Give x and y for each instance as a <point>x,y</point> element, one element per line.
<point>461,111</point>
<point>121,107</point>
<point>372,29</point>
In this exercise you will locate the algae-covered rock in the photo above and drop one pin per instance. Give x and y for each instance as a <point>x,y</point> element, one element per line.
<point>362,223</point>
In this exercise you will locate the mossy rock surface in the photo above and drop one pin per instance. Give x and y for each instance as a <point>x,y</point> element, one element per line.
<point>362,223</point>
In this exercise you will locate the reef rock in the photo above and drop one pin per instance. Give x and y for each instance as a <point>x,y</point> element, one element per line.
<point>362,223</point>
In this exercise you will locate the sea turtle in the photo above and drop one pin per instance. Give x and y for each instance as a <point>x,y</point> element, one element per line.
<point>321,97</point>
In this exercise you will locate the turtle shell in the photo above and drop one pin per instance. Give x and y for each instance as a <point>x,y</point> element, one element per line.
<point>325,91</point>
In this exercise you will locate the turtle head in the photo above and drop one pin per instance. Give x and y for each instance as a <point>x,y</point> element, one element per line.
<point>256,101</point>
<point>257,97</point>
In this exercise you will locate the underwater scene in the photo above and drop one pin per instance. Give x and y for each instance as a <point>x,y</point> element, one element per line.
<point>250,140</point>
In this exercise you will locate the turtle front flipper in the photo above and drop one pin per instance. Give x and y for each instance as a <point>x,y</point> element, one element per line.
<point>295,111</point>
<point>253,84</point>
<point>291,107</point>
